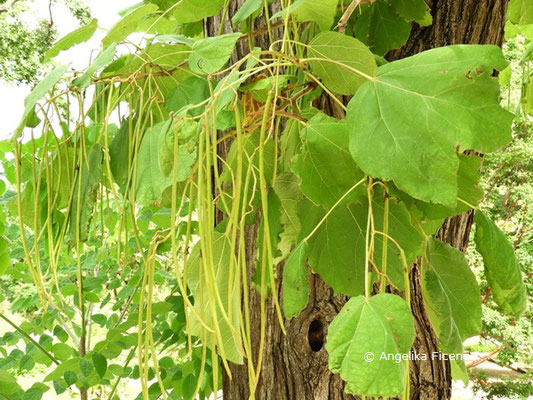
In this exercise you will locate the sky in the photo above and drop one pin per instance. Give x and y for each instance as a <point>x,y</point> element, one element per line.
<point>105,11</point>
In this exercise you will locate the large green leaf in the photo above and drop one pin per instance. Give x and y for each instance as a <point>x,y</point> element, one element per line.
<point>295,282</point>
<point>152,179</point>
<point>520,12</point>
<point>408,123</point>
<point>501,268</point>
<point>338,48</point>
<point>75,37</point>
<point>211,54</point>
<point>222,252</point>
<point>381,28</point>
<point>363,335</point>
<point>85,194</point>
<point>469,193</point>
<point>128,24</point>
<point>119,153</point>
<point>325,166</point>
<point>38,92</point>
<point>8,384</point>
<point>337,249</point>
<point>320,11</point>
<point>196,10</point>
<point>451,295</point>
<point>410,10</point>
<point>288,191</point>
<point>188,94</point>
<point>246,10</point>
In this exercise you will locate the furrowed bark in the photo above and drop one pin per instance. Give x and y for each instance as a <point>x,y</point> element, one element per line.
<point>295,365</point>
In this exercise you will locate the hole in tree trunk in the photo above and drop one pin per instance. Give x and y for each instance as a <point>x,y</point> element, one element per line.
<point>315,335</point>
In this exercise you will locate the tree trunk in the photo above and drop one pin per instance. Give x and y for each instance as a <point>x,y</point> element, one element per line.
<point>295,365</point>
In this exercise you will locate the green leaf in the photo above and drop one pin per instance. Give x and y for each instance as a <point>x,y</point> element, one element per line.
<point>222,252</point>
<point>381,28</point>
<point>62,351</point>
<point>295,282</point>
<point>469,193</point>
<point>379,326</point>
<point>196,10</point>
<point>119,150</point>
<point>8,384</point>
<point>26,363</point>
<point>59,387</point>
<point>70,377</point>
<point>86,367</point>
<point>151,179</point>
<point>75,37</point>
<point>85,194</point>
<point>38,92</point>
<point>100,364</point>
<point>320,11</point>
<point>246,10</point>
<point>209,55</point>
<point>185,129</point>
<point>187,94</point>
<point>345,50</point>
<point>520,12</point>
<point>259,89</point>
<point>33,393</point>
<point>410,10</point>
<point>325,167</point>
<point>529,97</point>
<point>451,295</point>
<point>501,268</point>
<point>128,24</point>
<point>456,102</point>
<point>337,249</point>
<point>287,188</point>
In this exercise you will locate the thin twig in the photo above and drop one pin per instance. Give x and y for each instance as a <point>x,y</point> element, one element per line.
<point>481,360</point>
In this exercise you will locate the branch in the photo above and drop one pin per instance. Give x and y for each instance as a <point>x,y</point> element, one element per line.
<point>341,26</point>
<point>484,358</point>
<point>7,5</point>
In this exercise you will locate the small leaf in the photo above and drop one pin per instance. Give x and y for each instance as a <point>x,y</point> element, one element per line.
<point>59,387</point>
<point>86,367</point>
<point>501,268</point>
<point>26,363</point>
<point>361,335</point>
<point>33,393</point>
<point>75,37</point>
<point>295,282</point>
<point>345,50</point>
<point>62,351</point>
<point>100,364</point>
<point>209,55</point>
<point>70,377</point>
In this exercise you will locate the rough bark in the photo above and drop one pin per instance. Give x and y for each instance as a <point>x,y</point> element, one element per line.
<point>295,365</point>
<point>454,22</point>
